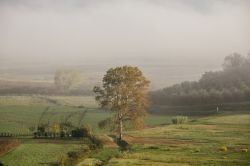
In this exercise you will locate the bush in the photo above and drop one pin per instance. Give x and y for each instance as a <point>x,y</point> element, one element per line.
<point>88,131</point>
<point>78,133</point>
<point>74,157</point>
<point>85,131</point>
<point>96,143</point>
<point>244,150</point>
<point>62,158</point>
<point>179,119</point>
<point>223,148</point>
<point>124,146</point>
<point>106,154</point>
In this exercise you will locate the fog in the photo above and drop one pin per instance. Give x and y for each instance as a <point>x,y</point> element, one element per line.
<point>187,36</point>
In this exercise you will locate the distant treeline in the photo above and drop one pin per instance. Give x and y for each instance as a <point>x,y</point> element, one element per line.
<point>232,84</point>
<point>29,88</point>
<point>66,82</point>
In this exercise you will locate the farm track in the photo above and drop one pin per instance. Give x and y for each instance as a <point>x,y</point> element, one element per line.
<point>57,141</point>
<point>44,141</point>
<point>158,141</point>
<point>8,145</point>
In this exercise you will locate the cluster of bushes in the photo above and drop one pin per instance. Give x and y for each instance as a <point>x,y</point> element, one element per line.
<point>74,157</point>
<point>232,84</point>
<point>95,144</point>
<point>62,134</point>
<point>180,120</point>
<point>57,131</point>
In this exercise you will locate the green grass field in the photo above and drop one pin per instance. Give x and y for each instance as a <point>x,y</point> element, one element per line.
<point>202,142</point>
<point>19,113</point>
<point>29,154</point>
<point>211,140</point>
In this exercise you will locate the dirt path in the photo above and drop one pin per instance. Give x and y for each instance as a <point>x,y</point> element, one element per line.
<point>152,140</point>
<point>8,145</point>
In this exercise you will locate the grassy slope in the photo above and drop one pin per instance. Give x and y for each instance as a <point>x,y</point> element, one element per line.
<point>206,136</point>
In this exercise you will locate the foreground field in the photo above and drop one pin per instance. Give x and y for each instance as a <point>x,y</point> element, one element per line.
<point>208,141</point>
<point>213,140</point>
<point>218,141</point>
<point>30,154</point>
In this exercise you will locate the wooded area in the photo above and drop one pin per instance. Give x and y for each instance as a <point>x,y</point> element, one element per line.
<point>232,84</point>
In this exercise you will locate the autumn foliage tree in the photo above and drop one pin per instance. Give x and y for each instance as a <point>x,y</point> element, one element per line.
<point>124,91</point>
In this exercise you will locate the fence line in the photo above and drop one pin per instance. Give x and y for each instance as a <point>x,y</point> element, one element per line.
<point>8,134</point>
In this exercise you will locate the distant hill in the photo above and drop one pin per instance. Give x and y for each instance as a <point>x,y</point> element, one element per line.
<point>161,72</point>
<point>30,87</point>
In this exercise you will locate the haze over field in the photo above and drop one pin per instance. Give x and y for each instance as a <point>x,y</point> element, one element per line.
<point>170,40</point>
<point>124,82</point>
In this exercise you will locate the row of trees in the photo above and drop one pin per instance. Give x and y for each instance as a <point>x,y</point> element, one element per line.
<point>66,82</point>
<point>64,128</point>
<point>232,84</point>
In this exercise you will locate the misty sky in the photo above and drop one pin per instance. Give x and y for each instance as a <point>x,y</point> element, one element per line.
<point>123,31</point>
<point>117,28</point>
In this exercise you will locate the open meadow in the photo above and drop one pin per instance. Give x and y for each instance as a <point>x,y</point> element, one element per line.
<point>221,139</point>
<point>124,83</point>
<point>20,113</point>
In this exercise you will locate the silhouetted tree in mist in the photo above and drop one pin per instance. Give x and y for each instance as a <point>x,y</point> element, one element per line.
<point>232,84</point>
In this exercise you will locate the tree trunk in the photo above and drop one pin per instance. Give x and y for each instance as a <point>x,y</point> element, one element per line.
<point>120,132</point>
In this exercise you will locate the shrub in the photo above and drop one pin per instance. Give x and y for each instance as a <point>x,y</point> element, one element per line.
<point>62,158</point>
<point>195,150</point>
<point>85,131</point>
<point>107,153</point>
<point>74,157</point>
<point>223,148</point>
<point>179,119</point>
<point>244,150</point>
<point>124,146</point>
<point>153,147</point>
<point>88,131</point>
<point>96,143</point>
<point>90,162</point>
<point>77,133</point>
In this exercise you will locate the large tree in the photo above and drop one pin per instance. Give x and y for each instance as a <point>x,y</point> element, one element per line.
<point>124,91</point>
<point>234,60</point>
